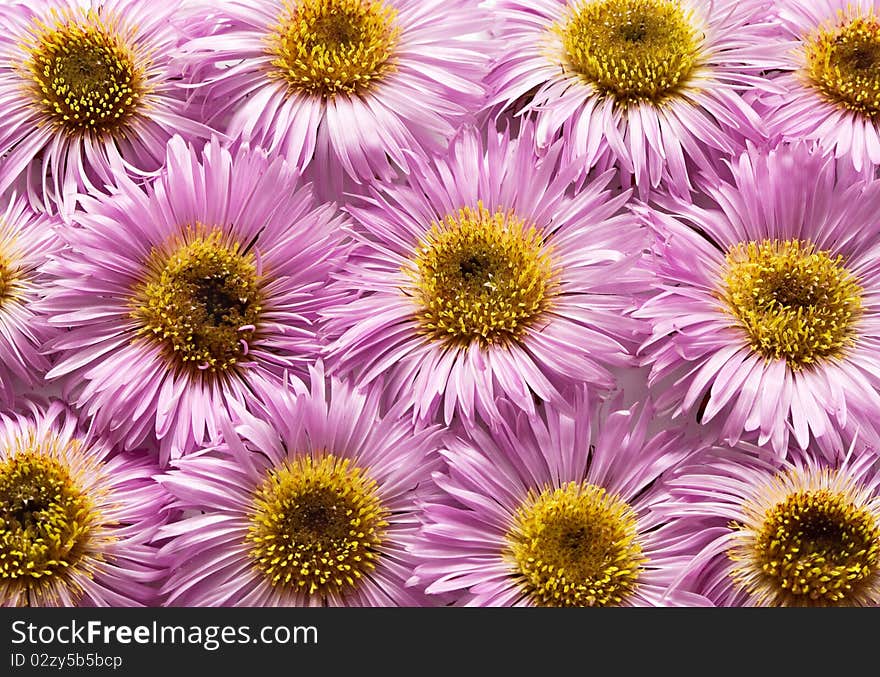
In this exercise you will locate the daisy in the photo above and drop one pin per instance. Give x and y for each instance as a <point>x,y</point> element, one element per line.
<point>830,51</point>
<point>191,293</point>
<point>311,504</point>
<point>26,242</point>
<point>354,84</point>
<point>765,316</point>
<point>644,84</point>
<point>89,92</point>
<point>802,532</point>
<point>76,520</point>
<point>483,277</point>
<point>555,510</point>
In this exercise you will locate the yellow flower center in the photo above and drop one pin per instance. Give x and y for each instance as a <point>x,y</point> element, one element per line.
<point>482,276</point>
<point>795,302</point>
<point>45,518</point>
<point>201,300</point>
<point>576,546</point>
<point>816,547</point>
<point>843,64</point>
<point>328,47</point>
<point>317,525</point>
<point>83,71</point>
<point>8,280</point>
<point>632,50</point>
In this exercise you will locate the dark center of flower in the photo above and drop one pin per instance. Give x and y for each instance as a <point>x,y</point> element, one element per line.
<point>201,300</point>
<point>84,74</point>
<point>329,47</point>
<point>317,525</point>
<point>481,277</point>
<point>632,50</point>
<point>576,546</point>
<point>794,302</point>
<point>45,519</point>
<point>843,64</point>
<point>815,548</point>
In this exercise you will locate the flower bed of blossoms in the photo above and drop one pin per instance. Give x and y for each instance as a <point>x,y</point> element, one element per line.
<point>440,302</point>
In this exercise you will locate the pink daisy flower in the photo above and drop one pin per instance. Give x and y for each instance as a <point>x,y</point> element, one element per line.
<point>484,276</point>
<point>830,52</point>
<point>311,504</point>
<point>89,92</point>
<point>26,242</point>
<point>192,293</point>
<point>77,520</point>
<point>801,532</point>
<point>647,85</point>
<point>555,510</point>
<point>356,84</point>
<point>765,316</point>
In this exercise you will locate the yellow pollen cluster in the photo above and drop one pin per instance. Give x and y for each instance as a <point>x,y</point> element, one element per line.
<point>201,300</point>
<point>814,548</point>
<point>632,50</point>
<point>45,519</point>
<point>7,280</point>
<point>317,525</point>
<point>84,73</point>
<point>482,276</point>
<point>843,64</point>
<point>576,546</point>
<point>328,47</point>
<point>795,302</point>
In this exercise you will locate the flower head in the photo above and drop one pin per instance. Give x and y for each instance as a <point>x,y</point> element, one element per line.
<point>483,276</point>
<point>93,93</point>
<point>312,503</point>
<point>76,521</point>
<point>26,242</point>
<point>356,84</point>
<point>764,316</point>
<point>804,532</point>
<point>190,293</point>
<point>554,510</point>
<point>647,85</point>
<point>829,88</point>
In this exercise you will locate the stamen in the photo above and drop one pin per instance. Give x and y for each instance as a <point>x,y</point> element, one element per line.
<point>576,546</point>
<point>83,72</point>
<point>809,540</point>
<point>8,279</point>
<point>330,47</point>
<point>482,276</point>
<point>794,302</point>
<point>843,63</point>
<point>318,525</point>
<point>45,518</point>
<point>200,300</point>
<point>631,50</point>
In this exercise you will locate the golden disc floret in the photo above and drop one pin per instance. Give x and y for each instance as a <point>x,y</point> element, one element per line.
<point>7,280</point>
<point>45,517</point>
<point>813,546</point>
<point>632,50</point>
<point>200,299</point>
<point>317,525</point>
<point>843,64</point>
<point>794,301</point>
<point>576,546</point>
<point>331,47</point>
<point>482,276</point>
<point>83,71</point>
